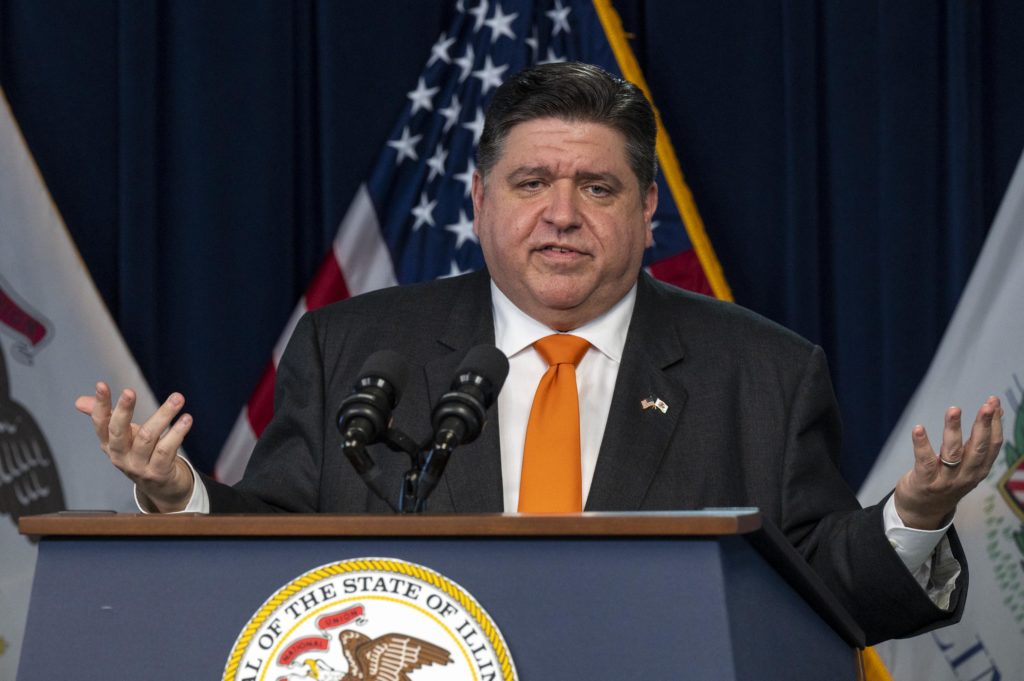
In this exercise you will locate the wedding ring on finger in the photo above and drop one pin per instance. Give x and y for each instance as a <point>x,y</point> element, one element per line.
<point>950,464</point>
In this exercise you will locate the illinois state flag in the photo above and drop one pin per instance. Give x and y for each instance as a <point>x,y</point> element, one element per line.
<point>412,220</point>
<point>981,354</point>
<point>56,340</point>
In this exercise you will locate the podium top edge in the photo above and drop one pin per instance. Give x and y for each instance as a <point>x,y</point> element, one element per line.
<point>702,523</point>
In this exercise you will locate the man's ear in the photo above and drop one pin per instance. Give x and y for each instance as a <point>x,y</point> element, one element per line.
<point>650,205</point>
<point>477,192</point>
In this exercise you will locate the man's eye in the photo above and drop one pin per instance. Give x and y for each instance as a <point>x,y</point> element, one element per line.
<point>598,190</point>
<point>531,184</point>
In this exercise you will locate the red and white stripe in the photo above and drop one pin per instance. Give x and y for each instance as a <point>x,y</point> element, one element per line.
<point>1015,485</point>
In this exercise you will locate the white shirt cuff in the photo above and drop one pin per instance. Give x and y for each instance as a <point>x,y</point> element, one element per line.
<point>199,502</point>
<point>926,553</point>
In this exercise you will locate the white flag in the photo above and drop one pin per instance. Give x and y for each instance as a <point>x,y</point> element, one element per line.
<point>981,354</point>
<point>56,340</point>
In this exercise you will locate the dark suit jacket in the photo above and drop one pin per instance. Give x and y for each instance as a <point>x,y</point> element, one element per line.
<point>751,421</point>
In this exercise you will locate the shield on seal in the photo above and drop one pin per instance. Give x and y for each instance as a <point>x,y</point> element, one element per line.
<point>1011,486</point>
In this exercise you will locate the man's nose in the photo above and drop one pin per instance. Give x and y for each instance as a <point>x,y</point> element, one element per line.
<point>563,206</point>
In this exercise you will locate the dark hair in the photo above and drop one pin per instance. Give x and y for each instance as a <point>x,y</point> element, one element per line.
<point>573,91</point>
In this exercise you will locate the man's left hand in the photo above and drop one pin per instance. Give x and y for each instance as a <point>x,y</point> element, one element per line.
<point>927,495</point>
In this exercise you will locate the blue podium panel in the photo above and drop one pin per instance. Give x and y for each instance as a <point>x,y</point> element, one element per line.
<point>568,607</point>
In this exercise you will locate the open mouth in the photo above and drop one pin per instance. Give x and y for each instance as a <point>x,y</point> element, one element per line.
<point>557,250</point>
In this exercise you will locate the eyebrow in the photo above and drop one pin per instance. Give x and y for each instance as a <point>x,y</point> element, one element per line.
<point>528,171</point>
<point>544,172</point>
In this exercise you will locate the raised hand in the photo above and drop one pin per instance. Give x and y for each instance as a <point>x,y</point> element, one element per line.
<point>146,453</point>
<point>928,494</point>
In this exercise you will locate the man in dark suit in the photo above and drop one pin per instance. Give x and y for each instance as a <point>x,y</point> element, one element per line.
<point>684,402</point>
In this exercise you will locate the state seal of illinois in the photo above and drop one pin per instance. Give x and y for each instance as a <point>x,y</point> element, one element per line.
<point>370,619</point>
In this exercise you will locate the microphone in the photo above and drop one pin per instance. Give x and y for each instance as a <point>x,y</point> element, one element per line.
<point>363,416</point>
<point>459,415</point>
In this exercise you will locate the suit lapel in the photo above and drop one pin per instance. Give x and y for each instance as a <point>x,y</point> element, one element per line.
<point>636,438</point>
<point>472,479</point>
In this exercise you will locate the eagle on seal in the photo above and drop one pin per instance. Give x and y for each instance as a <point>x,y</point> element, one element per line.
<point>387,658</point>
<point>29,483</point>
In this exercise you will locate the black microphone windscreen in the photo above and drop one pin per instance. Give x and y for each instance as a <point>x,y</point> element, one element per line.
<point>487,361</point>
<point>388,365</point>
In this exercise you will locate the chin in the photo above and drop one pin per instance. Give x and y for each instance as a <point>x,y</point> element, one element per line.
<point>561,300</point>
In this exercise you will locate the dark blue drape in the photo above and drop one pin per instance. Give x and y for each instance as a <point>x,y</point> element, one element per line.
<point>847,158</point>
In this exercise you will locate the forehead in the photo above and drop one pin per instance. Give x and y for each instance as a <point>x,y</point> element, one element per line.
<point>558,142</point>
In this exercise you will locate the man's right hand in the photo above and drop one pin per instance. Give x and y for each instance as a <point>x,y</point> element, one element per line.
<point>147,453</point>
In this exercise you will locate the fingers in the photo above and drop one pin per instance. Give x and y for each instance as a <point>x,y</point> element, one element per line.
<point>983,445</point>
<point>986,438</point>
<point>129,445</point>
<point>119,424</point>
<point>979,452</point>
<point>952,449</point>
<point>166,450</point>
<point>924,455</point>
<point>100,413</point>
<point>149,459</point>
<point>151,440</point>
<point>997,430</point>
<point>85,404</point>
<point>135,451</point>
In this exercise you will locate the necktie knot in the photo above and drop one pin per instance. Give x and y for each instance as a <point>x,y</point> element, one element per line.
<point>562,348</point>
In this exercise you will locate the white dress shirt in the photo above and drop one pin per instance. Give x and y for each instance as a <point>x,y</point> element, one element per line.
<point>514,334</point>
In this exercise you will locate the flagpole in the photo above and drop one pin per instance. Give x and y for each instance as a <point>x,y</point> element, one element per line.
<point>612,24</point>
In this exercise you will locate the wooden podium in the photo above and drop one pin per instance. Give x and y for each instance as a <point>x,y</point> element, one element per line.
<point>708,595</point>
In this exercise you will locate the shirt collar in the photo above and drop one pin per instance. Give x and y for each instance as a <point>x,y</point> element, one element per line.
<point>514,330</point>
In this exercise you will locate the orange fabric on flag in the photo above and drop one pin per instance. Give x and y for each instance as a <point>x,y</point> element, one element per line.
<point>874,668</point>
<point>552,481</point>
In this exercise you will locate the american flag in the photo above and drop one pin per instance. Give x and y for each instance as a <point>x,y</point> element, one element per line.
<point>412,220</point>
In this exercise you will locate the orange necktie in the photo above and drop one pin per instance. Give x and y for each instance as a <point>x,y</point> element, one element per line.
<point>552,481</point>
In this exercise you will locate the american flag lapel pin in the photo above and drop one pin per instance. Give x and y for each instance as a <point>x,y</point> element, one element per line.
<point>653,402</point>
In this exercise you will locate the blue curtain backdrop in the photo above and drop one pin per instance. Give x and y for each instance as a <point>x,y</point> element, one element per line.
<point>846,156</point>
